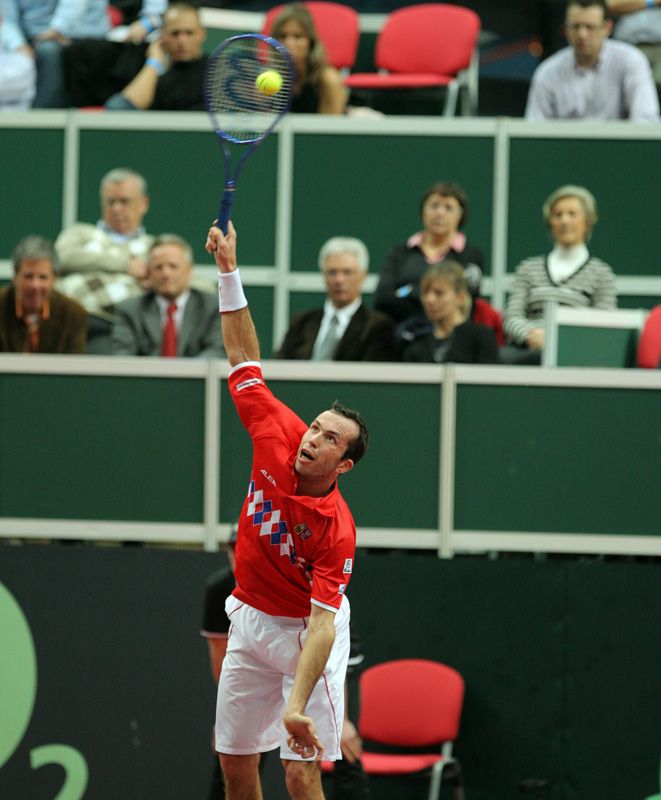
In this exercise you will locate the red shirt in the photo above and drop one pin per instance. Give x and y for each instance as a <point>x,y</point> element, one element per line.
<point>291,549</point>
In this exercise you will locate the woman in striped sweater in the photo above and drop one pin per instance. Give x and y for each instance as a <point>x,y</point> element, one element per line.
<point>569,274</point>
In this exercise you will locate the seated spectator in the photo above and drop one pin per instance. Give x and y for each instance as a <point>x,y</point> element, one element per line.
<point>444,211</point>
<point>569,274</point>
<point>648,354</point>
<point>319,87</point>
<point>172,318</point>
<point>639,24</point>
<point>446,333</point>
<point>48,26</point>
<point>105,263</point>
<point>34,318</point>
<point>595,77</point>
<point>172,77</point>
<point>17,71</point>
<point>345,329</point>
<point>95,69</point>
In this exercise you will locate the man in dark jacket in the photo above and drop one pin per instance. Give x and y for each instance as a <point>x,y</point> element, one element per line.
<point>345,329</point>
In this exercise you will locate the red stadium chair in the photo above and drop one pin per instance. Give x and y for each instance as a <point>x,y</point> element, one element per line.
<point>648,354</point>
<point>412,703</point>
<point>426,46</point>
<point>338,29</point>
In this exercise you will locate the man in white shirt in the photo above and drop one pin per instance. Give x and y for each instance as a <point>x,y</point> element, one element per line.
<point>639,23</point>
<point>345,329</point>
<point>17,70</point>
<point>594,78</point>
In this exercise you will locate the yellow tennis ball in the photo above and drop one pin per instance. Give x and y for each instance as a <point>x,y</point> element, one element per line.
<point>269,82</point>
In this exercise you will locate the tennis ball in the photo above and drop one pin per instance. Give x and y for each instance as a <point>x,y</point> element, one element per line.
<point>269,82</point>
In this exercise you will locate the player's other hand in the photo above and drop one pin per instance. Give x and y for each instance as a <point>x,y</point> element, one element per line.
<point>303,739</point>
<point>222,246</point>
<point>351,744</point>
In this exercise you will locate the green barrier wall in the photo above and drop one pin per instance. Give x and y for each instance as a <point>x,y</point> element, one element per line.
<point>112,448</point>
<point>557,459</point>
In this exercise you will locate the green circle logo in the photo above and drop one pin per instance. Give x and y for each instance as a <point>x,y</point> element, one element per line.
<point>18,674</point>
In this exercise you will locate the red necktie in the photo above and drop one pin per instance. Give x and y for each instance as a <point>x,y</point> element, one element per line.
<point>169,347</point>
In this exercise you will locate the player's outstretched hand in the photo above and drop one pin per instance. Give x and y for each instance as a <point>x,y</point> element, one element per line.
<point>303,739</point>
<point>222,246</point>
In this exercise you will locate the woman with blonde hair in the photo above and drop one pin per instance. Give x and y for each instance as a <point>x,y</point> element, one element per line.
<point>569,275</point>
<point>449,334</point>
<point>319,88</point>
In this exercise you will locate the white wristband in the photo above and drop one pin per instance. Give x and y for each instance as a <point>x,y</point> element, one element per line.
<point>230,292</point>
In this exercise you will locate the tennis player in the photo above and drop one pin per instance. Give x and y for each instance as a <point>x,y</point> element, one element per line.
<point>282,681</point>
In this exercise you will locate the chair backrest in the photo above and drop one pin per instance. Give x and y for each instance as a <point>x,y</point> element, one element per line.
<point>337,26</point>
<point>435,38</point>
<point>115,16</point>
<point>410,702</point>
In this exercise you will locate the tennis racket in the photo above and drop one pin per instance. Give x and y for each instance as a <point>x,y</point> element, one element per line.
<point>240,113</point>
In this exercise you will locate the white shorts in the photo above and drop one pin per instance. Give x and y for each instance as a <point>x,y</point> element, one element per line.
<point>257,677</point>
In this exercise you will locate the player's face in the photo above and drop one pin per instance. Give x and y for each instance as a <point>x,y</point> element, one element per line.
<point>441,215</point>
<point>33,282</point>
<point>441,300</point>
<point>123,205</point>
<point>344,278</point>
<point>170,270</point>
<point>182,35</point>
<point>292,34</point>
<point>586,30</point>
<point>321,452</point>
<point>567,222</point>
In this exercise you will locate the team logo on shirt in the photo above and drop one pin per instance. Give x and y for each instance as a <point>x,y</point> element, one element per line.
<point>348,566</point>
<point>268,477</point>
<point>303,531</point>
<point>268,519</point>
<point>342,588</point>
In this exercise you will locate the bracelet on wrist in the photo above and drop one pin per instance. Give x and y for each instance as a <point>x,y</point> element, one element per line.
<point>146,24</point>
<point>230,292</point>
<point>155,64</point>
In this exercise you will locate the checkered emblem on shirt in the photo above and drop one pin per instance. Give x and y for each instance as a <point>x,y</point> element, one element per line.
<point>263,514</point>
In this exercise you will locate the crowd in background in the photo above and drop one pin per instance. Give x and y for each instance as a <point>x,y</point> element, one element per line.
<point>111,287</point>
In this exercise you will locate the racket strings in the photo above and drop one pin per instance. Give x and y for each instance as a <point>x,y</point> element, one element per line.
<point>238,108</point>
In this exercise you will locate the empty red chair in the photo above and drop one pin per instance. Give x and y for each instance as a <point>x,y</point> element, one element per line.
<point>426,46</point>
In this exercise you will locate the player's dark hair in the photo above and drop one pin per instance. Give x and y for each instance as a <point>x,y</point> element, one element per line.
<point>448,189</point>
<point>357,447</point>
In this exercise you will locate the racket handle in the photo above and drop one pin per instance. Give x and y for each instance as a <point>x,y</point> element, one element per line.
<point>225,209</point>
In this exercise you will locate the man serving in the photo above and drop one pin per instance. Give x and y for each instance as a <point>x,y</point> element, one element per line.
<point>282,681</point>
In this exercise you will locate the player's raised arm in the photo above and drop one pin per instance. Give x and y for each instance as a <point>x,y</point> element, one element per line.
<point>239,335</point>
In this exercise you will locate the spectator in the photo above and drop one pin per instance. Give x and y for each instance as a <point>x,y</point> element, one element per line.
<point>595,77</point>
<point>172,77</point>
<point>319,88</point>
<point>105,263</point>
<point>639,24</point>
<point>34,318</point>
<point>95,69</point>
<point>446,333</point>
<point>171,319</point>
<point>345,329</point>
<point>569,274</point>
<point>17,72</point>
<point>49,26</point>
<point>444,212</point>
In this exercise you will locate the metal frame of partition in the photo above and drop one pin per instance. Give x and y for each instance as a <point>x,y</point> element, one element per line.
<point>446,539</point>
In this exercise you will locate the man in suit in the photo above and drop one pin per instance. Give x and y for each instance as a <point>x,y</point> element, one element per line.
<point>34,318</point>
<point>345,329</point>
<point>172,318</point>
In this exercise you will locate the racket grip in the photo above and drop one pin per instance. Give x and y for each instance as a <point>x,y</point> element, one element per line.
<point>225,210</point>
